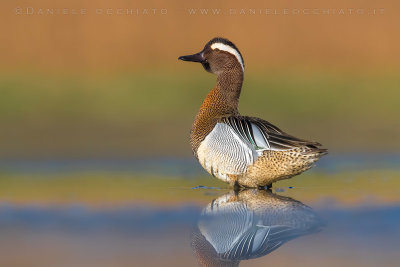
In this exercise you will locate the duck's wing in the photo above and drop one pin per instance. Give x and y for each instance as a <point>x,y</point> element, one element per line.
<point>262,135</point>
<point>236,142</point>
<point>261,240</point>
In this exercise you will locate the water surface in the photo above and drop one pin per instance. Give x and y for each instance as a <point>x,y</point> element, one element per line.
<point>144,213</point>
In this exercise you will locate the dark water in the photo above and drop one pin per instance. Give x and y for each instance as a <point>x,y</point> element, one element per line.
<point>282,227</point>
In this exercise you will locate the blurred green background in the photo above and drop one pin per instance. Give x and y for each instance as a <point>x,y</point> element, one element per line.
<point>95,85</point>
<point>150,114</point>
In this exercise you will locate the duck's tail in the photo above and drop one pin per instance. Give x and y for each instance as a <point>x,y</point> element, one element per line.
<point>309,155</point>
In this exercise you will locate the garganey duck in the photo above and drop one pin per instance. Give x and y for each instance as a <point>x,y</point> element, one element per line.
<point>243,151</point>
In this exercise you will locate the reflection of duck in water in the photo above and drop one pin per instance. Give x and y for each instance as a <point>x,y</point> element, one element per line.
<point>249,224</point>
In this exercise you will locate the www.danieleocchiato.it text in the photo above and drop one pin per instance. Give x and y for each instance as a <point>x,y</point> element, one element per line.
<point>286,11</point>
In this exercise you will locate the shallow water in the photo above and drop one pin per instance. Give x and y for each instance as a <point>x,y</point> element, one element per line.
<point>169,213</point>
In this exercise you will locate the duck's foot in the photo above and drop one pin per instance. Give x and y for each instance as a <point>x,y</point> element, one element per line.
<point>236,187</point>
<point>265,187</point>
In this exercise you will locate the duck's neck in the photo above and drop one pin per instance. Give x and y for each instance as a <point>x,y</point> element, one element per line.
<point>222,100</point>
<point>229,86</point>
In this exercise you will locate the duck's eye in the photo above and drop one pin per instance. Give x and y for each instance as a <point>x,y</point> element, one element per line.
<point>216,50</point>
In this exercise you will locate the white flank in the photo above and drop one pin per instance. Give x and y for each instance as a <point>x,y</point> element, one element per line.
<point>230,50</point>
<point>222,153</point>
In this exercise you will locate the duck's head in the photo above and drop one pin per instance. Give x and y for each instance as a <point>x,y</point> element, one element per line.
<point>219,55</point>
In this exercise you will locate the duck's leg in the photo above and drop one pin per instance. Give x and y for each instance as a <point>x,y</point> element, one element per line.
<point>265,187</point>
<point>233,181</point>
<point>236,186</point>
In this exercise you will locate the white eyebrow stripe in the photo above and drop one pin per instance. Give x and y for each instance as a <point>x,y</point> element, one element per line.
<point>230,50</point>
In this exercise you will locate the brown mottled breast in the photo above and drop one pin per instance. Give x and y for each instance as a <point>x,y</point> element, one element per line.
<point>213,108</point>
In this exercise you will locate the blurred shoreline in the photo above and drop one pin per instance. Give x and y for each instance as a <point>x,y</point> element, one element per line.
<point>45,116</point>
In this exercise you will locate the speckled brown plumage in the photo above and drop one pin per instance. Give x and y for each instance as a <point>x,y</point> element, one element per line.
<point>273,166</point>
<point>280,156</point>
